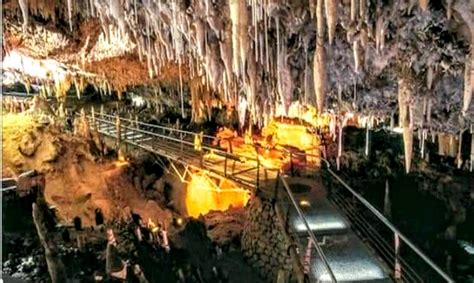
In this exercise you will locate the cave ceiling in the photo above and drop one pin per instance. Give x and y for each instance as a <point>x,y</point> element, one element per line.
<point>341,56</point>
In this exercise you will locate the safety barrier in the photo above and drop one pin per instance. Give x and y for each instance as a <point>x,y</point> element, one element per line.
<point>405,261</point>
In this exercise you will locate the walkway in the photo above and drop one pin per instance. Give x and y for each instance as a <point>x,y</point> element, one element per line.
<point>339,254</point>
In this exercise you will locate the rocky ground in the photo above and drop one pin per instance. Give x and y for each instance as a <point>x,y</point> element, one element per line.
<point>85,182</point>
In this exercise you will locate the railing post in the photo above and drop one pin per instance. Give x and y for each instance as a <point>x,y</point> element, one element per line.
<point>398,268</point>
<point>225,166</point>
<point>258,171</point>
<point>275,196</point>
<point>291,164</point>
<point>119,134</point>
<point>93,118</point>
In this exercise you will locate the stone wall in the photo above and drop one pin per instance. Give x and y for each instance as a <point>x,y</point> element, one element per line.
<point>265,243</point>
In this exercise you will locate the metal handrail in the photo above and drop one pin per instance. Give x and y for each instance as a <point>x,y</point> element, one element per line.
<point>207,147</point>
<point>225,154</point>
<point>154,126</point>
<point>308,229</point>
<point>389,224</point>
<point>288,191</point>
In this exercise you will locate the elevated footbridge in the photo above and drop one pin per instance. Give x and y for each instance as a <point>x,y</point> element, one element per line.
<point>350,240</point>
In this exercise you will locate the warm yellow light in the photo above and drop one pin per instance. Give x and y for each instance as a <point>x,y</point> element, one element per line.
<point>204,195</point>
<point>305,203</point>
<point>121,159</point>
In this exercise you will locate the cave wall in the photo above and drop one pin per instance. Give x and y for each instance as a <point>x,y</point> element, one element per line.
<point>264,242</point>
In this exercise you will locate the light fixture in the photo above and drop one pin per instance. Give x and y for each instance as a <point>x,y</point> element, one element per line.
<point>305,203</point>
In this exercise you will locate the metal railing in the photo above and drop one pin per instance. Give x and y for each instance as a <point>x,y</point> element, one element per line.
<point>405,260</point>
<point>181,146</point>
<point>286,196</point>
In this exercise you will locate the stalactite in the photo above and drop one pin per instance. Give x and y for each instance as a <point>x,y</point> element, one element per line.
<point>449,8</point>
<point>429,77</point>
<point>467,85</point>
<point>364,36</point>
<point>239,19</point>
<point>320,21</point>
<point>357,59</point>
<point>267,55</point>
<point>243,35</point>
<point>363,10</point>
<point>78,91</point>
<point>278,58</point>
<point>200,35</point>
<point>312,7</point>
<point>92,7</point>
<point>252,87</point>
<point>225,47</point>
<point>255,27</point>
<point>24,13</point>
<point>320,77</point>
<point>116,10</point>
<point>404,97</point>
<point>353,10</point>
<point>69,13</point>
<point>459,151</point>
<point>331,18</point>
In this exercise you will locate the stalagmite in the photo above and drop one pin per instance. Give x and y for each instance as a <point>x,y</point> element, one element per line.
<point>408,145</point>
<point>331,18</point>
<point>24,13</point>
<point>320,77</point>
<point>56,268</point>
<point>467,86</point>
<point>459,153</point>
<point>387,207</point>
